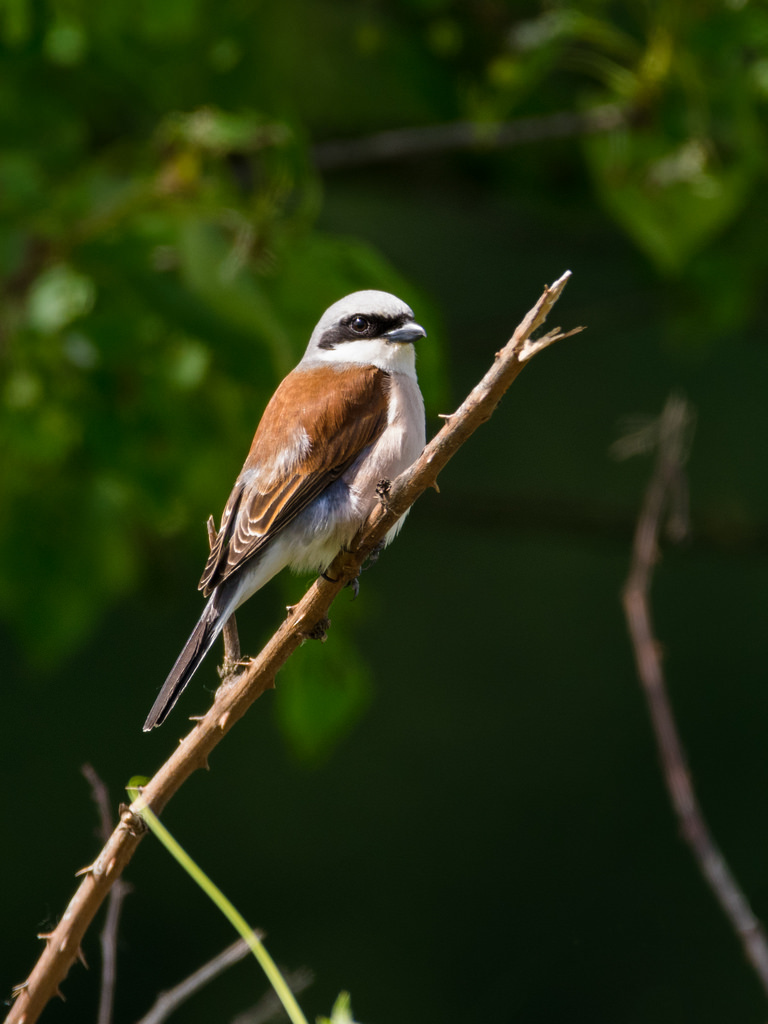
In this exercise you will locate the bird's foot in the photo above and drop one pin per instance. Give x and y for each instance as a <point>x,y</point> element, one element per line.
<point>354,583</point>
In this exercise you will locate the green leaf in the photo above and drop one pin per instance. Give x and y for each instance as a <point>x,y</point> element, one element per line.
<point>670,199</point>
<point>341,1012</point>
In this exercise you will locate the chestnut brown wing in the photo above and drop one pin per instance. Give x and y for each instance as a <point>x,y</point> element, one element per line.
<point>325,417</point>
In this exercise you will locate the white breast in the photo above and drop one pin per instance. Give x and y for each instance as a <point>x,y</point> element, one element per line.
<point>399,446</point>
<point>332,520</point>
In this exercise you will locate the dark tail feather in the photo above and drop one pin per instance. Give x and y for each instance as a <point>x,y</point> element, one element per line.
<point>203,635</point>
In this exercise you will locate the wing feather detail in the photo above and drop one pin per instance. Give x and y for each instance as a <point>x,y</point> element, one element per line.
<point>316,424</point>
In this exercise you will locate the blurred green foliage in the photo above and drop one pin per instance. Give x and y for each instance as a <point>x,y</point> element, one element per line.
<point>158,250</point>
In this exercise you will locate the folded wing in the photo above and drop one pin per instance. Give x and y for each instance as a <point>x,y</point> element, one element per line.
<point>318,421</point>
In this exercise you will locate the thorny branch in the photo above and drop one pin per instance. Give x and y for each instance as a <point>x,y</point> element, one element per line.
<point>237,693</point>
<point>661,499</point>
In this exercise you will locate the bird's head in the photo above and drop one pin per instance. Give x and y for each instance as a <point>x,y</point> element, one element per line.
<point>367,327</point>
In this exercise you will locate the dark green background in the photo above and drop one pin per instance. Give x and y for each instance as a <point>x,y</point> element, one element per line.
<point>453,808</point>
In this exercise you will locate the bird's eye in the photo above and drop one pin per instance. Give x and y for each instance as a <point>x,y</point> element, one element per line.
<point>359,324</point>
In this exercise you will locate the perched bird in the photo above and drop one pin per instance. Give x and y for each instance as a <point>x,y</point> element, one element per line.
<point>349,415</point>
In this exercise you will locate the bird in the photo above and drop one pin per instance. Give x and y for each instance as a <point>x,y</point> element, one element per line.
<point>349,415</point>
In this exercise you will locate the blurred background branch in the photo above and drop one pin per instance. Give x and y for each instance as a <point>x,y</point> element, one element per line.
<point>168,1002</point>
<point>663,504</point>
<point>431,140</point>
<point>108,939</point>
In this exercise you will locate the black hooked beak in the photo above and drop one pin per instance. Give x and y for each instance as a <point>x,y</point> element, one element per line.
<point>410,332</point>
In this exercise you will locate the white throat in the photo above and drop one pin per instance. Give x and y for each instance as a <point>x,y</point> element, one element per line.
<point>390,356</point>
